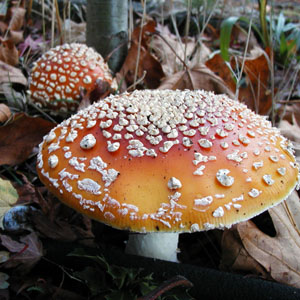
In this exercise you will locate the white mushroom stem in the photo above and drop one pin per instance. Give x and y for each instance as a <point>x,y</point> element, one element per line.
<point>155,245</point>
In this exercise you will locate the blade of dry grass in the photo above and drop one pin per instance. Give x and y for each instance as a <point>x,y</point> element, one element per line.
<point>139,45</point>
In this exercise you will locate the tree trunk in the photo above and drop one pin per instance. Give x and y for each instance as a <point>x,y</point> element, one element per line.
<point>107,24</point>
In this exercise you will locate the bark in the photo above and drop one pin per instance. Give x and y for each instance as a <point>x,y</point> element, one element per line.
<point>107,24</point>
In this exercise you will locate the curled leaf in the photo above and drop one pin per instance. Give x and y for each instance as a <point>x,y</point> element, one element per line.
<point>279,255</point>
<point>8,52</point>
<point>199,77</point>
<point>10,74</point>
<point>25,253</point>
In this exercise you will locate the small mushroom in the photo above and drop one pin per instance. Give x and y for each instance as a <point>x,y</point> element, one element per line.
<point>163,162</point>
<point>59,76</point>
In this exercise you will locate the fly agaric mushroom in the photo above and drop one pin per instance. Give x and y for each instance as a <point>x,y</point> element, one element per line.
<point>58,77</point>
<point>163,162</point>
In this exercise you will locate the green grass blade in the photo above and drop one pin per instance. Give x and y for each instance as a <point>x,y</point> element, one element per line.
<point>226,29</point>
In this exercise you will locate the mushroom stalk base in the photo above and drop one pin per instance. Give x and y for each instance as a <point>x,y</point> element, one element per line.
<point>155,245</point>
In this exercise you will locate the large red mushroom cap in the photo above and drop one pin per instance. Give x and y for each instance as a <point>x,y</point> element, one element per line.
<point>168,161</point>
<point>58,76</point>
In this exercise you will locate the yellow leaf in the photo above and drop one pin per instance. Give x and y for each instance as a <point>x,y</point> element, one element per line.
<point>8,197</point>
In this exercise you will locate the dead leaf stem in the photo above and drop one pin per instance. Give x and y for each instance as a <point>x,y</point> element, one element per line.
<point>291,218</point>
<point>168,44</point>
<point>166,286</point>
<point>244,57</point>
<point>139,45</point>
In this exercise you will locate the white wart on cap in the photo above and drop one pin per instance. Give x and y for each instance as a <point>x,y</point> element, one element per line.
<point>168,161</point>
<point>58,76</point>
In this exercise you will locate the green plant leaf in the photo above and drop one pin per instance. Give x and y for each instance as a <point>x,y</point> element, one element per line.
<point>280,26</point>
<point>226,29</point>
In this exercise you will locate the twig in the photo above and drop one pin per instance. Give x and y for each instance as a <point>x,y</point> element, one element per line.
<point>58,21</point>
<point>52,24</point>
<point>288,101</point>
<point>10,23</point>
<point>187,28</point>
<point>42,112</point>
<point>166,286</point>
<point>244,57</point>
<point>290,94</point>
<point>272,66</point>
<point>137,81</point>
<point>181,60</point>
<point>43,21</point>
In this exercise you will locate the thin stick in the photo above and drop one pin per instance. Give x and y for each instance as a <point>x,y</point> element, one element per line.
<point>58,21</point>
<point>204,26</point>
<point>295,77</point>
<point>41,111</point>
<point>139,46</point>
<point>29,8</point>
<point>181,60</point>
<point>137,82</point>
<point>166,286</point>
<point>69,17</point>
<point>43,22</point>
<point>187,28</point>
<point>130,27</point>
<point>9,26</point>
<point>244,58</point>
<point>272,67</point>
<point>53,24</point>
<point>289,101</point>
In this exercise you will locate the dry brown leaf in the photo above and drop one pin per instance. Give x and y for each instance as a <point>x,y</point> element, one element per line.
<point>59,222</point>
<point>292,132</point>
<point>5,113</point>
<point>28,192</point>
<point>26,253</point>
<point>256,93</point>
<point>279,255</point>
<point>74,32</point>
<point>171,52</point>
<point>17,18</point>
<point>199,77</point>
<point>16,36</point>
<point>148,64</point>
<point>18,138</point>
<point>217,65</point>
<point>236,258</point>
<point>8,52</point>
<point>148,28</point>
<point>257,71</point>
<point>9,74</point>
<point>291,113</point>
<point>59,229</point>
